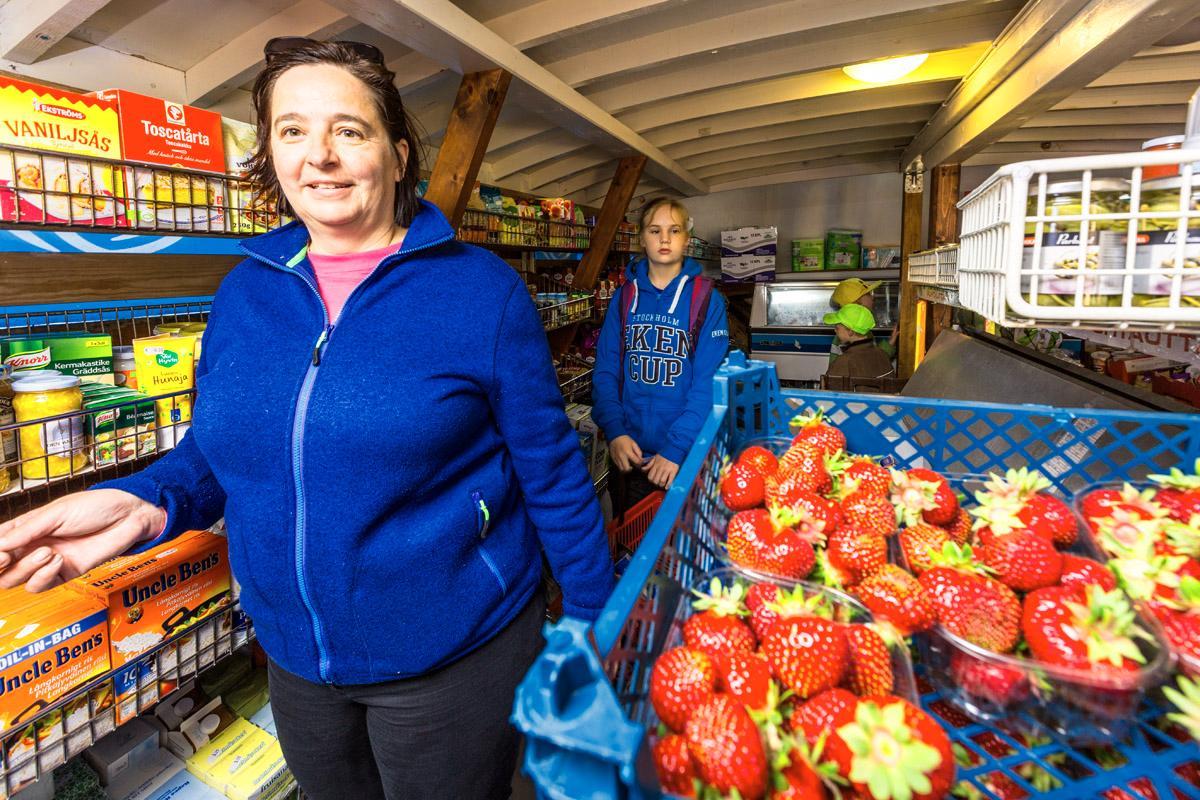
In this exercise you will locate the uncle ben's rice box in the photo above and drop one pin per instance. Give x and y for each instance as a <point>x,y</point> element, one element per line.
<point>153,595</point>
<point>50,643</point>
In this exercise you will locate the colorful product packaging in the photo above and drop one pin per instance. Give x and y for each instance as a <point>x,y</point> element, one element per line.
<point>121,429</point>
<point>843,249</point>
<point>249,212</point>
<point>166,364</point>
<point>50,643</point>
<point>76,188</point>
<point>748,255</point>
<point>808,254</point>
<point>85,355</point>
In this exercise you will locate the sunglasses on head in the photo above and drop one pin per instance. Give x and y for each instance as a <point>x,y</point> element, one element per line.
<point>283,44</point>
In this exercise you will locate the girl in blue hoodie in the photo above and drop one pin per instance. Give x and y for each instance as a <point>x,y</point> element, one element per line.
<point>663,338</point>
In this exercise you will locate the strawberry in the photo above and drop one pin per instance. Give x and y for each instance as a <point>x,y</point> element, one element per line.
<point>1126,533</point>
<point>742,488</point>
<point>923,494</point>
<point>719,628</point>
<point>1103,502</point>
<point>1084,628</point>
<point>1022,497</point>
<point>863,474</point>
<point>897,597</point>
<point>801,778</point>
<point>1186,700</point>
<point>854,554</point>
<point>673,763</point>
<point>1023,560</point>
<point>760,541</point>
<point>945,567</point>
<point>959,529</point>
<point>814,718</point>
<point>1179,493</point>
<point>869,512</point>
<point>1182,538</point>
<point>759,594</point>
<point>682,678</point>
<point>980,609</point>
<point>807,654</point>
<point>1181,627</point>
<point>1149,577</point>
<point>745,676</point>
<point>759,459</point>
<point>918,542</point>
<point>788,604</point>
<point>888,748</point>
<point>998,684</point>
<point>804,466</point>
<point>812,429</point>
<point>825,515</point>
<point>1081,571</point>
<point>726,748</point>
<point>870,670</point>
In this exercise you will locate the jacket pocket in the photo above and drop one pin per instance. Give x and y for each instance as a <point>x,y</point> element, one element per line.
<point>483,519</point>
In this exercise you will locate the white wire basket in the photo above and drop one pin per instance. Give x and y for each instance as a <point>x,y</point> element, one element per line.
<point>936,267</point>
<point>1091,242</point>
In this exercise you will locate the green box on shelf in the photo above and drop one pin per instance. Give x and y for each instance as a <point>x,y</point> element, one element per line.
<point>808,254</point>
<point>86,355</point>
<point>843,249</point>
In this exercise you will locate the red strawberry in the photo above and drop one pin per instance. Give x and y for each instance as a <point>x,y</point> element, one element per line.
<point>726,748</point>
<point>815,717</point>
<point>1181,626</point>
<point>870,670</point>
<point>923,494</point>
<point>854,554</point>
<point>897,597</point>
<point>788,604</point>
<point>1022,497</point>
<point>959,529</point>
<point>719,628</point>
<point>673,763</point>
<point>742,488</point>
<point>801,778</point>
<point>825,515</point>
<point>1179,493</point>
<point>746,676</point>
<point>760,594</point>
<point>807,654</point>
<point>869,512</point>
<point>996,683</point>
<point>979,609</point>
<point>1125,533</point>
<point>919,542</point>
<point>812,429</point>
<point>1045,514</point>
<point>682,678</point>
<point>1103,502</point>
<point>803,465</point>
<point>1080,571</point>
<point>759,541</point>
<point>889,748</point>
<point>864,475</point>
<point>1023,560</point>
<point>1084,628</point>
<point>760,459</point>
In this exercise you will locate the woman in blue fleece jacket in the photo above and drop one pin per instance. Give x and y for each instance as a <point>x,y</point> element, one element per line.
<point>652,387</point>
<point>390,473</point>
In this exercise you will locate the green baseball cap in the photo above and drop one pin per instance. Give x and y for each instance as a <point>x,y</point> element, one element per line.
<point>855,317</point>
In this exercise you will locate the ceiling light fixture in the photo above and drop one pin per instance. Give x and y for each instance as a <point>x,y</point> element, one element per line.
<point>885,70</point>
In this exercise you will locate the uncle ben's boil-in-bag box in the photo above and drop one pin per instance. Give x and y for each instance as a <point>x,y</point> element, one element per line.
<point>76,187</point>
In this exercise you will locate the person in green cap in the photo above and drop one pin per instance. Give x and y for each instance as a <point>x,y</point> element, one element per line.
<point>855,291</point>
<point>861,357</point>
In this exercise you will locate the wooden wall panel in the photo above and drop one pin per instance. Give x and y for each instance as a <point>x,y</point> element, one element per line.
<point>34,278</point>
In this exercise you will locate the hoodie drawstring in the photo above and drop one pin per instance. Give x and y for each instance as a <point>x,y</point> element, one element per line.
<point>633,307</point>
<point>678,292</point>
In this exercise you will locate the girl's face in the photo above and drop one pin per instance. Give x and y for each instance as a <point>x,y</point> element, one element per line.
<point>664,238</point>
<point>332,155</point>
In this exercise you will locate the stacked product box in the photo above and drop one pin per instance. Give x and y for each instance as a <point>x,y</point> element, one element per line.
<point>74,188</point>
<point>591,439</point>
<point>843,249</point>
<point>160,133</point>
<point>88,356</point>
<point>122,425</point>
<point>248,210</point>
<point>808,254</point>
<point>748,255</point>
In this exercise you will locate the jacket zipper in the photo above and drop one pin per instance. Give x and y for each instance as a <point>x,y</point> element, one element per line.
<point>299,423</point>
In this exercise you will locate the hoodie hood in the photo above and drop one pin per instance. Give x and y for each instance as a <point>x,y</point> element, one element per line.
<point>638,271</point>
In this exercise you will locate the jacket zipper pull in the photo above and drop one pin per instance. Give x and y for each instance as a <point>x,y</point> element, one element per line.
<point>324,337</point>
<point>483,515</point>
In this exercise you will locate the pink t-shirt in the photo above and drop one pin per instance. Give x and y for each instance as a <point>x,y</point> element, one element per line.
<point>337,276</point>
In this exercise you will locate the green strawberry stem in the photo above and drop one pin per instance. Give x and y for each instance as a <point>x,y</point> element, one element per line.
<point>1178,479</point>
<point>1186,700</point>
<point>1106,624</point>
<point>724,602</point>
<point>886,755</point>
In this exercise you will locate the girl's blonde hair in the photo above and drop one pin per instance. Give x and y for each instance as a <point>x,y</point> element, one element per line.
<point>677,209</point>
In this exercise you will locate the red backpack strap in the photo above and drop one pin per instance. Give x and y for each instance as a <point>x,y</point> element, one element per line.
<point>624,304</point>
<point>698,310</point>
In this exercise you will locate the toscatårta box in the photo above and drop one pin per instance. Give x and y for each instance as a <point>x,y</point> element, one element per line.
<point>50,643</point>
<point>165,134</point>
<point>74,188</point>
<point>153,595</point>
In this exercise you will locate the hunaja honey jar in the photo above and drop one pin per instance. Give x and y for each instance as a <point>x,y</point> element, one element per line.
<point>50,448</point>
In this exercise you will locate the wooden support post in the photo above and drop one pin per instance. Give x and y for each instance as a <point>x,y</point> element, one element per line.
<point>910,240</point>
<point>612,214</point>
<point>480,98</point>
<point>943,229</point>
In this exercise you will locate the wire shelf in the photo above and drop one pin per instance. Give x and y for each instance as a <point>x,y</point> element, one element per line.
<point>494,229</point>
<point>122,323</point>
<point>558,311</point>
<point>68,726</point>
<point>575,380</point>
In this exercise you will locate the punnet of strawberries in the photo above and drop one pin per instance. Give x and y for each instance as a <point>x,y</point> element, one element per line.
<point>1151,536</point>
<point>785,691</point>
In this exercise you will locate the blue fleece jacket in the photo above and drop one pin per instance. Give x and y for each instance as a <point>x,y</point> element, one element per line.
<point>390,478</point>
<point>666,395</point>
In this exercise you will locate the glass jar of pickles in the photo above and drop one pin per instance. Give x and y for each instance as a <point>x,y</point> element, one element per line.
<point>1060,242</point>
<point>50,448</point>
<point>1157,244</point>
<point>8,438</point>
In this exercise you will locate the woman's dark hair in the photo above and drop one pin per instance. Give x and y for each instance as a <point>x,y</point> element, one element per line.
<point>380,82</point>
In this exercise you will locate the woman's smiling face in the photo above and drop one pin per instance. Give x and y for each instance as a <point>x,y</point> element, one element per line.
<point>332,155</point>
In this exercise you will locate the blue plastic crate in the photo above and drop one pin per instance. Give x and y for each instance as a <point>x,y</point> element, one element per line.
<point>585,716</point>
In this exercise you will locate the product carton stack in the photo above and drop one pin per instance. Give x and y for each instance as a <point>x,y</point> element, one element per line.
<point>748,255</point>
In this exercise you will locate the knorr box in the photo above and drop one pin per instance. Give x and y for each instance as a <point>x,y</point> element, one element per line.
<point>153,595</point>
<point>43,188</point>
<point>50,643</point>
<point>121,427</point>
<point>85,355</point>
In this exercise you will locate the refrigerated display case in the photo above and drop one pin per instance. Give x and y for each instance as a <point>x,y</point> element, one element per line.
<point>787,325</point>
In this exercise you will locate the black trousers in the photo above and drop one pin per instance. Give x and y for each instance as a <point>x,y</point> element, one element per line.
<point>441,735</point>
<point>627,488</point>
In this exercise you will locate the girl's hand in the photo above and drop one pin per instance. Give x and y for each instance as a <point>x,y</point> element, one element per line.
<point>625,453</point>
<point>661,472</point>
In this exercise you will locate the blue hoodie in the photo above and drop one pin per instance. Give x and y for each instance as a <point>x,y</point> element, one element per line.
<point>390,478</point>
<point>665,396</point>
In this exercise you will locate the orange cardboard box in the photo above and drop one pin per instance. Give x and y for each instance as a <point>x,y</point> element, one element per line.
<point>43,188</point>
<point>153,595</point>
<point>50,643</point>
<point>159,132</point>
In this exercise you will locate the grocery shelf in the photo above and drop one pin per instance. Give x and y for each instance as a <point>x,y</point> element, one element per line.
<point>575,383</point>
<point>74,722</point>
<point>124,322</point>
<point>567,312</point>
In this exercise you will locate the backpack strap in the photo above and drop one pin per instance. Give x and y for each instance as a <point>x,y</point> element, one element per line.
<point>698,310</point>
<point>624,304</point>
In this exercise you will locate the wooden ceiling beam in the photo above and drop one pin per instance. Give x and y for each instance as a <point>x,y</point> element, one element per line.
<point>770,147</point>
<point>1109,97</point>
<point>549,20</point>
<point>794,158</point>
<point>1069,133</point>
<point>1151,69</point>
<point>1096,38</point>
<point>28,29</point>
<point>88,67</point>
<point>1105,117</point>
<point>813,172</point>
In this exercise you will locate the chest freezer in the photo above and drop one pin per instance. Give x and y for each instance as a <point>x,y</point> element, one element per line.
<point>787,324</point>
